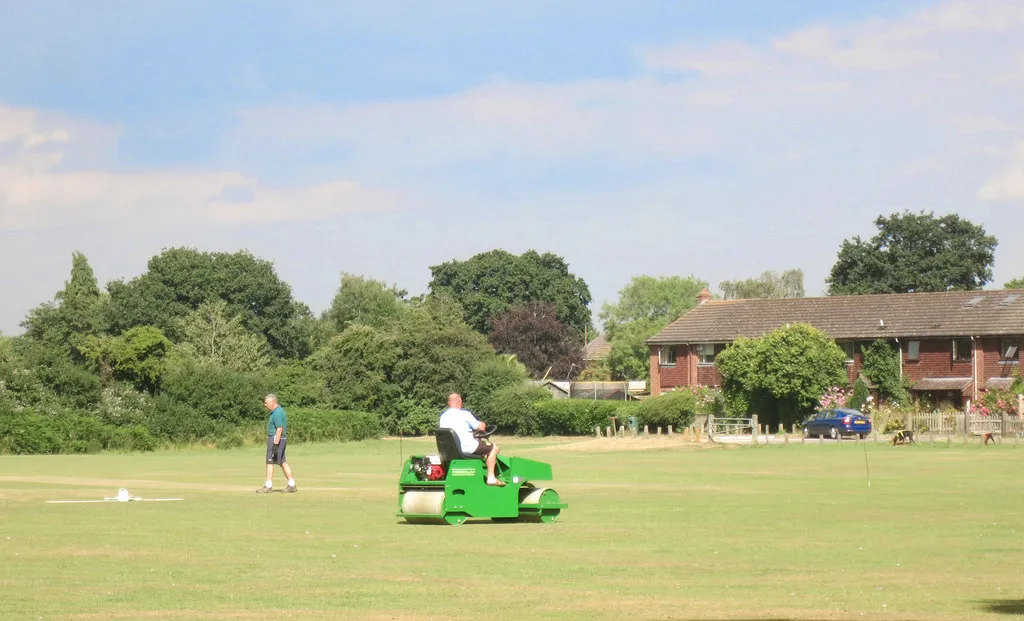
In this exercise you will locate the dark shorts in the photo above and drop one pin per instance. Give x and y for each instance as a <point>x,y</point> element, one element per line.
<point>483,449</point>
<point>275,457</point>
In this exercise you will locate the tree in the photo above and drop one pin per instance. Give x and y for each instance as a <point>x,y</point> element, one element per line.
<point>365,301</point>
<point>769,285</point>
<point>915,252</point>
<point>533,333</point>
<point>645,306</point>
<point>489,283</point>
<point>75,313</point>
<point>179,280</point>
<point>882,361</point>
<point>212,335</point>
<point>1016,283</point>
<point>789,368</point>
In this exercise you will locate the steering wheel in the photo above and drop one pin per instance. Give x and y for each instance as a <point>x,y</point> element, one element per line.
<point>487,431</point>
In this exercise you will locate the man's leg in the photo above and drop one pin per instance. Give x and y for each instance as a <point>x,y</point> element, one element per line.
<point>492,461</point>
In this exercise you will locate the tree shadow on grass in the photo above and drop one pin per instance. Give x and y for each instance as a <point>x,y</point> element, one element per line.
<point>1003,606</point>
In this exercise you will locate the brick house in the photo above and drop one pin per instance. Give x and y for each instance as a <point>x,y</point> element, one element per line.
<point>953,344</point>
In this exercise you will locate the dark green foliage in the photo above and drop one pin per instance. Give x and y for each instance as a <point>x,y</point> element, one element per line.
<point>77,311</point>
<point>409,417</point>
<point>364,301</point>
<point>860,394</point>
<point>315,425</point>
<point>677,408</point>
<point>882,361</point>
<point>781,375</point>
<point>216,393</point>
<point>914,253</point>
<point>179,280</point>
<point>357,367</point>
<point>512,409</point>
<point>492,374</point>
<point>177,422</point>
<point>66,382</point>
<point>298,385</point>
<point>489,283</point>
<point>572,416</point>
<point>29,432</point>
<point>139,356</point>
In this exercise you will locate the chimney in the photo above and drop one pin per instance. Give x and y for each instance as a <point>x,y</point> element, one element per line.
<point>704,296</point>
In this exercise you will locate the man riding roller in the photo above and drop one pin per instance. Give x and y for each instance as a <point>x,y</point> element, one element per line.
<point>463,423</point>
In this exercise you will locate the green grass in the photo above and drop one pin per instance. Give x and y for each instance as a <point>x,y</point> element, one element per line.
<point>780,532</point>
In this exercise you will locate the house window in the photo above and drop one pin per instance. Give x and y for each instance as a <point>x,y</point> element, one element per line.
<point>913,350</point>
<point>1008,350</point>
<point>668,355</point>
<point>706,353</point>
<point>961,350</point>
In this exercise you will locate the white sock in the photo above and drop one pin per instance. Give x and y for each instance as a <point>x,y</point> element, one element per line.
<point>291,482</point>
<point>269,484</point>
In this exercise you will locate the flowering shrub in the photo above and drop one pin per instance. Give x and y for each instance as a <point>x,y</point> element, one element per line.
<point>834,397</point>
<point>995,401</point>
<point>709,399</point>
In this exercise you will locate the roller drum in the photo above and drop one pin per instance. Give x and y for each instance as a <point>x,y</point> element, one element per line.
<point>534,504</point>
<point>423,504</point>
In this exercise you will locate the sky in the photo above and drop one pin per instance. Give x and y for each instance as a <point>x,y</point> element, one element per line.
<point>651,137</point>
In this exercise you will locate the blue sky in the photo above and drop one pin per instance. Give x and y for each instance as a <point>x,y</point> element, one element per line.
<point>717,139</point>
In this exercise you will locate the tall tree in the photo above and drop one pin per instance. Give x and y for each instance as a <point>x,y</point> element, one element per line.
<point>365,301</point>
<point>489,283</point>
<point>179,280</point>
<point>533,333</point>
<point>915,252</point>
<point>790,284</point>
<point>1016,283</point>
<point>75,313</point>
<point>645,306</point>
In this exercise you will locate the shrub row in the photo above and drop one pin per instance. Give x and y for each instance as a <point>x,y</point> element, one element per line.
<point>312,425</point>
<point>30,433</point>
<point>530,411</point>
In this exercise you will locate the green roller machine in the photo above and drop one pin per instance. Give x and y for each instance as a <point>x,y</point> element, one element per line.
<point>451,487</point>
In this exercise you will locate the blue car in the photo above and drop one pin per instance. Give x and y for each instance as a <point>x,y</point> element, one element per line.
<point>837,423</point>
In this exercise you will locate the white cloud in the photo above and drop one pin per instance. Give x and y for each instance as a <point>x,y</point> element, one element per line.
<point>36,192</point>
<point>1008,184</point>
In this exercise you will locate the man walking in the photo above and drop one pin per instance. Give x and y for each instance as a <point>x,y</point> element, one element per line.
<point>277,439</point>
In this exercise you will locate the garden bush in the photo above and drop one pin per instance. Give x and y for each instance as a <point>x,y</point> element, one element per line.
<point>677,408</point>
<point>310,425</point>
<point>574,416</point>
<point>512,409</point>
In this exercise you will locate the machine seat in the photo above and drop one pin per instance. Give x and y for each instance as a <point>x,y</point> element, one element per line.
<point>448,445</point>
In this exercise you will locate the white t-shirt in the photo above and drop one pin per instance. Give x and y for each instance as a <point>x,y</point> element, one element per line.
<point>464,423</point>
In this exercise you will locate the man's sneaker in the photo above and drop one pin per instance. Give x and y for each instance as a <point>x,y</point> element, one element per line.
<point>264,490</point>
<point>290,489</point>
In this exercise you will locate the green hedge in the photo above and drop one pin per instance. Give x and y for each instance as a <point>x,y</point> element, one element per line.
<point>24,433</point>
<point>512,409</point>
<point>315,425</point>
<point>574,416</point>
<point>677,408</point>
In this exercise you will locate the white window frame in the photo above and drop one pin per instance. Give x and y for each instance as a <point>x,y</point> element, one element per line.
<point>664,357</point>
<point>913,351</point>
<point>702,355</point>
<point>1011,346</point>
<point>956,351</point>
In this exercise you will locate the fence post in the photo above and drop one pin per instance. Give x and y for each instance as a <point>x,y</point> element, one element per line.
<point>597,430</point>
<point>608,431</point>
<point>647,431</point>
<point>754,427</point>
<point>670,430</point>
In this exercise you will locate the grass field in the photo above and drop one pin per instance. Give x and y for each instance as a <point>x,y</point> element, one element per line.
<point>677,532</point>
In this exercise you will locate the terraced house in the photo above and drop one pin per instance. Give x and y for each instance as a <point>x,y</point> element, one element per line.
<point>954,344</point>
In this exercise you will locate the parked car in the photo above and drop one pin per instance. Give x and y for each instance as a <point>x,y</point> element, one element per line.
<point>837,423</point>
